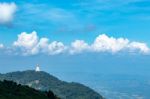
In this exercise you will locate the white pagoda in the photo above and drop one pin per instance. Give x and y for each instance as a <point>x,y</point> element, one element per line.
<point>37,69</point>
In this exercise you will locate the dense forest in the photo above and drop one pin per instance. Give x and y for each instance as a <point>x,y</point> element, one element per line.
<point>12,90</point>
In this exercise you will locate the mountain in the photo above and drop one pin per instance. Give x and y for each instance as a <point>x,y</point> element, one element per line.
<point>44,81</point>
<point>12,90</point>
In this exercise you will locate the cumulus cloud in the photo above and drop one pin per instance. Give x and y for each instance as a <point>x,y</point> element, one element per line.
<point>27,42</point>
<point>142,47</point>
<point>43,44</point>
<point>1,46</point>
<point>7,11</point>
<point>105,43</point>
<point>30,44</point>
<point>56,47</point>
<point>78,46</point>
<point>52,48</point>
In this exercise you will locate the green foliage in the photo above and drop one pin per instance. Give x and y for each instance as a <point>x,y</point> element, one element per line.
<point>12,90</point>
<point>44,81</point>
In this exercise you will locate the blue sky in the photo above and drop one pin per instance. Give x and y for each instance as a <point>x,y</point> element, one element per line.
<point>68,28</point>
<point>81,18</point>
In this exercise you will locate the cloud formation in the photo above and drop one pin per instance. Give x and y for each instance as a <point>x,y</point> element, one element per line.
<point>142,47</point>
<point>7,11</point>
<point>31,44</point>
<point>104,43</point>
<point>27,42</point>
<point>52,48</point>
<point>110,44</point>
<point>1,46</point>
<point>79,46</point>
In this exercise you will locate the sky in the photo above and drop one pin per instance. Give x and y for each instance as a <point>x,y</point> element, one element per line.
<point>110,36</point>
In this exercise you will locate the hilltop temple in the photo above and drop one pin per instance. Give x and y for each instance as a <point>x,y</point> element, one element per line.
<point>37,69</point>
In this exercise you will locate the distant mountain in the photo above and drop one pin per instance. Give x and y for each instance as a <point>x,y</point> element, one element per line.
<point>12,90</point>
<point>44,81</point>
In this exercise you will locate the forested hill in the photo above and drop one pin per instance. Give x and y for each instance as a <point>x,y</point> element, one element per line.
<point>44,81</point>
<point>12,90</point>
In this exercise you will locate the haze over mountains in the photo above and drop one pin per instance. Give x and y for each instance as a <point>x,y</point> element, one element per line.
<point>113,86</point>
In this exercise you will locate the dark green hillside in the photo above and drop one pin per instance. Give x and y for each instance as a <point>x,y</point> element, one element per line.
<point>12,90</point>
<point>44,81</point>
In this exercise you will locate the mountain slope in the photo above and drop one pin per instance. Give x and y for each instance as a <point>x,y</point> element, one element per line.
<point>44,81</point>
<point>12,90</point>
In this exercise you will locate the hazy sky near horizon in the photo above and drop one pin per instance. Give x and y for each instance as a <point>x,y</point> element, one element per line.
<point>103,32</point>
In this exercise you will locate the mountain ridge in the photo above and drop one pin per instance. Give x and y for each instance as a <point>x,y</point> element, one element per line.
<point>45,81</point>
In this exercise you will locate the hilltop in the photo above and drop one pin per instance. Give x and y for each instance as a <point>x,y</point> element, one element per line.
<point>44,81</point>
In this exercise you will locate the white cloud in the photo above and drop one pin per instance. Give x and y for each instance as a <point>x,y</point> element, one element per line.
<point>142,47</point>
<point>43,44</point>
<point>56,48</point>
<point>27,42</point>
<point>105,43</point>
<point>7,11</point>
<point>78,46</point>
<point>1,46</point>
<point>52,48</point>
<point>30,44</point>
